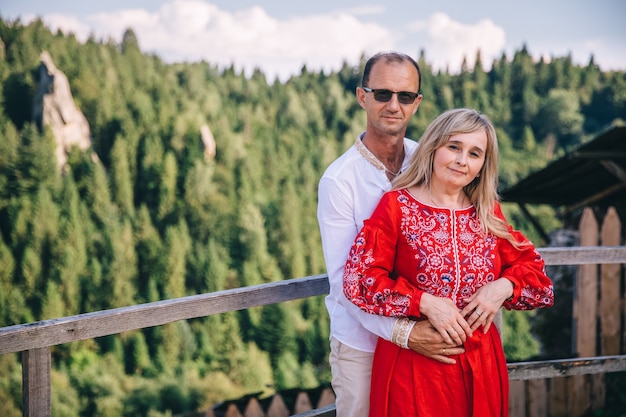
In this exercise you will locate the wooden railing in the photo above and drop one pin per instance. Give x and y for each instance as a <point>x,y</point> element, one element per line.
<point>34,340</point>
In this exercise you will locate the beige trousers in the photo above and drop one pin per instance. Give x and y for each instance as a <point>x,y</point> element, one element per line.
<point>352,372</point>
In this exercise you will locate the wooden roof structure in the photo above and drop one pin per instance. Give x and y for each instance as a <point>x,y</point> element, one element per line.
<point>592,175</point>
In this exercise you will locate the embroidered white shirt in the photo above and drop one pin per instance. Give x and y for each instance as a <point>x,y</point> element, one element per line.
<point>348,192</point>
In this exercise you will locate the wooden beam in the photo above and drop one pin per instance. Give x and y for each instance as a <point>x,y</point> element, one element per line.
<point>587,255</point>
<point>589,201</point>
<point>566,367</point>
<point>53,332</point>
<point>36,388</point>
<point>614,169</point>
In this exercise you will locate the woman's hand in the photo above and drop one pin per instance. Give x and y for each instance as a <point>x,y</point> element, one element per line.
<point>484,304</point>
<point>445,317</point>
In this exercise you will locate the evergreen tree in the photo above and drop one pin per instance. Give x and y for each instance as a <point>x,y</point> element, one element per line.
<point>177,246</point>
<point>560,116</point>
<point>7,269</point>
<point>121,183</point>
<point>524,101</point>
<point>147,216</point>
<point>150,257</point>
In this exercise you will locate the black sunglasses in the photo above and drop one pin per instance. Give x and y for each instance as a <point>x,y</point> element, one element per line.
<point>382,95</point>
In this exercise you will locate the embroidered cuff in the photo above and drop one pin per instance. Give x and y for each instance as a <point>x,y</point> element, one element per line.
<point>401,331</point>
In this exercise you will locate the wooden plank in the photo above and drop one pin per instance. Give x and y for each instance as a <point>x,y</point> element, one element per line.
<point>537,398</point>
<point>233,411</point>
<point>566,367</point>
<point>558,397</point>
<point>586,290</point>
<point>36,391</point>
<point>580,255</point>
<point>102,323</point>
<point>327,398</point>
<point>598,392</point>
<point>277,407</point>
<point>610,293</point>
<point>517,399</point>
<point>610,303</point>
<point>303,403</point>
<point>578,403</point>
<point>253,409</point>
<point>585,317</point>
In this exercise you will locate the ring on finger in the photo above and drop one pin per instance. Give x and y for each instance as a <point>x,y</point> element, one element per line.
<point>444,351</point>
<point>478,313</point>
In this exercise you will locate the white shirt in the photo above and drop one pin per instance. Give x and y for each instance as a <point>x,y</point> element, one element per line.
<point>348,193</point>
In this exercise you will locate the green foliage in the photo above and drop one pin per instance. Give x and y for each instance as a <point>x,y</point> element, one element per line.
<point>10,386</point>
<point>518,342</point>
<point>146,214</point>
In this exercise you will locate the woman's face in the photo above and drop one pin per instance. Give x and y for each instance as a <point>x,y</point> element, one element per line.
<point>460,160</point>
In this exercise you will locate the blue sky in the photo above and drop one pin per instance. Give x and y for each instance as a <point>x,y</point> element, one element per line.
<point>281,36</point>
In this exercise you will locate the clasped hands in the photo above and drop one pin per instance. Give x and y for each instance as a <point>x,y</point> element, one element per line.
<point>448,328</point>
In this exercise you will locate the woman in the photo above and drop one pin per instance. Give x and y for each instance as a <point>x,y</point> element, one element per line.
<point>438,247</point>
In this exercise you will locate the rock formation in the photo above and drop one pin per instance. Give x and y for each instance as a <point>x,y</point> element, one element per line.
<point>54,106</point>
<point>208,141</point>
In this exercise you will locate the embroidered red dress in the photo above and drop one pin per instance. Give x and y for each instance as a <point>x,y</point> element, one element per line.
<point>407,248</point>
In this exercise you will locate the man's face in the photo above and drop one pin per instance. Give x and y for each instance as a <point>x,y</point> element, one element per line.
<point>391,117</point>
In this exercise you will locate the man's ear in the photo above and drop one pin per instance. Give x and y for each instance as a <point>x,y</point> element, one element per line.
<point>360,96</point>
<point>417,102</point>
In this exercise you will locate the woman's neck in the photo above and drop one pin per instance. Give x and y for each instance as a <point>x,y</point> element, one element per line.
<point>440,197</point>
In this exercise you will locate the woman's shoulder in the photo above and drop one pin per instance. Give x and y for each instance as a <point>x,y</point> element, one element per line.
<point>396,194</point>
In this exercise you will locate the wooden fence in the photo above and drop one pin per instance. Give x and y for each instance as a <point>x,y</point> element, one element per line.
<point>34,340</point>
<point>598,330</point>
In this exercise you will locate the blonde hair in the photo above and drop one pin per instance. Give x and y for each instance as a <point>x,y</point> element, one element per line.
<point>483,190</point>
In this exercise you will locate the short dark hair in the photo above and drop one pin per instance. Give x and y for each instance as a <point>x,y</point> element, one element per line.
<point>390,57</point>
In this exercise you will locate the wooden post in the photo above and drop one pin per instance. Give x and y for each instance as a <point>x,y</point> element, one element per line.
<point>609,311</point>
<point>36,391</point>
<point>537,398</point>
<point>253,409</point>
<point>277,407</point>
<point>517,399</point>
<point>558,397</point>
<point>610,303</point>
<point>233,411</point>
<point>327,398</point>
<point>303,403</point>
<point>585,317</point>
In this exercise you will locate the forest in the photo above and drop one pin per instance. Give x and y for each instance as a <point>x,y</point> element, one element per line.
<point>153,218</point>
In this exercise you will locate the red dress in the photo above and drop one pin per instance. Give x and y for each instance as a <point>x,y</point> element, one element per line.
<point>407,248</point>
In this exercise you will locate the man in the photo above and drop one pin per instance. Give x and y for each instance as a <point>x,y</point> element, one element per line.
<point>348,193</point>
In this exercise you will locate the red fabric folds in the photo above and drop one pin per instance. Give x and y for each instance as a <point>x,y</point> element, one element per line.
<point>407,384</point>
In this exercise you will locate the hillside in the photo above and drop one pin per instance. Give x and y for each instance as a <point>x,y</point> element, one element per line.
<point>150,210</point>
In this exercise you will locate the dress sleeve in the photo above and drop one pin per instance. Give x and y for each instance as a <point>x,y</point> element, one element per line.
<point>369,280</point>
<point>525,268</point>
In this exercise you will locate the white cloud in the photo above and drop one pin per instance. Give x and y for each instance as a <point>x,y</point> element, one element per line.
<point>366,10</point>
<point>448,42</point>
<point>194,30</point>
<point>65,23</point>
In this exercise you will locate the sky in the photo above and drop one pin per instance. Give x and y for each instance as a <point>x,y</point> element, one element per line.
<point>280,36</point>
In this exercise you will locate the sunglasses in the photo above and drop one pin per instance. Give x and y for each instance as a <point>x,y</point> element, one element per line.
<point>382,95</point>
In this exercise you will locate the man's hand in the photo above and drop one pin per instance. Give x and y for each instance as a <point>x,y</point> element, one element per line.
<point>426,340</point>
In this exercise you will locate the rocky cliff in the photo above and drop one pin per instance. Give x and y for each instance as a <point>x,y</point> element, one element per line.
<point>54,106</point>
